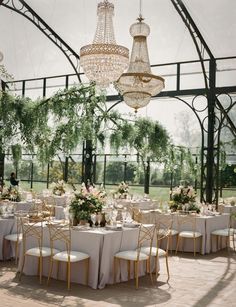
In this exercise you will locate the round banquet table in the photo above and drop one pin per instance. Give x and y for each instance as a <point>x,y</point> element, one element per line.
<point>100,244</point>
<point>204,224</point>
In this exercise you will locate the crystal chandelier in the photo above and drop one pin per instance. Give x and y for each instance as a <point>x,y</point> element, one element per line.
<point>104,61</point>
<point>138,84</point>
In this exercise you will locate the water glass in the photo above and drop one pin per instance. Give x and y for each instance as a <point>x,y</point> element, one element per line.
<point>93,218</point>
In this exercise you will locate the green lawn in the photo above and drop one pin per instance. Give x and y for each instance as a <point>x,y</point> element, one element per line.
<point>158,193</point>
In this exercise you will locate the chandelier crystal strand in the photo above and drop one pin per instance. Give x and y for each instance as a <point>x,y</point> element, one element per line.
<point>1,56</point>
<point>138,84</point>
<point>104,61</point>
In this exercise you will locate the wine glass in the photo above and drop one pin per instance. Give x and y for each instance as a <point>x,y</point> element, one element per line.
<point>99,218</point>
<point>124,215</point>
<point>108,217</point>
<point>114,216</point>
<point>66,213</point>
<point>93,218</point>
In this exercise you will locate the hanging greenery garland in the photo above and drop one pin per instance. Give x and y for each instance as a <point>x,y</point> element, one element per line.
<point>57,124</point>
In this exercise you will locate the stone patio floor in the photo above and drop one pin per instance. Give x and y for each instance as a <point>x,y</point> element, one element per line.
<point>208,280</point>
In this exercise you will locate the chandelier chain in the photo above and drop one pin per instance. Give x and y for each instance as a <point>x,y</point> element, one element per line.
<point>140,8</point>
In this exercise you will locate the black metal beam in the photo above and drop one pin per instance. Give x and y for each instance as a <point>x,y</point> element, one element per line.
<point>196,35</point>
<point>188,92</point>
<point>211,98</point>
<point>26,11</point>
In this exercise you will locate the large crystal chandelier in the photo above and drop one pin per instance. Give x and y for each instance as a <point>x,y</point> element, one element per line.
<point>138,84</point>
<point>104,61</point>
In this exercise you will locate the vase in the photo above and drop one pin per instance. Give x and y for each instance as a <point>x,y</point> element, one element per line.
<point>75,221</point>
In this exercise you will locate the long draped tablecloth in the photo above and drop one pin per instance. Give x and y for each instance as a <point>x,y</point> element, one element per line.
<point>6,227</point>
<point>100,244</point>
<point>204,224</point>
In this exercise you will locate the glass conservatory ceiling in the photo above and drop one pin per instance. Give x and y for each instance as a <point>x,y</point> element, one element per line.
<point>30,54</point>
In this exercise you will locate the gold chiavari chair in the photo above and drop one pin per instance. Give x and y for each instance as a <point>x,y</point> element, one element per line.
<point>227,233</point>
<point>32,228</point>
<point>189,221</point>
<point>48,207</point>
<point>16,237</point>
<point>163,227</point>
<point>62,233</point>
<point>146,233</point>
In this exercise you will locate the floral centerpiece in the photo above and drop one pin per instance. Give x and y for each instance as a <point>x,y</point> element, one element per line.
<point>123,190</point>
<point>59,188</point>
<point>87,201</point>
<point>11,193</point>
<point>183,198</point>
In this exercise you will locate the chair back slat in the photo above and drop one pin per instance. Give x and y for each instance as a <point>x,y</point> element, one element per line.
<point>187,220</point>
<point>60,233</point>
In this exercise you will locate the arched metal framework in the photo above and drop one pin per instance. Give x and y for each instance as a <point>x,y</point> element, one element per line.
<point>210,125</point>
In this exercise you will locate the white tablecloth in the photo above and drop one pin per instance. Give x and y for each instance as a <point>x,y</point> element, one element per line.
<point>100,244</point>
<point>6,227</point>
<point>228,209</point>
<point>204,224</point>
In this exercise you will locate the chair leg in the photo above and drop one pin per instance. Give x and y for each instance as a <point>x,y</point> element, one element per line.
<point>136,264</point>
<point>167,268</point>
<point>150,272</point>
<point>170,243</point>
<point>16,252</point>
<point>128,264</point>
<point>194,246</point>
<point>177,244</point>
<point>68,275</point>
<point>228,243</point>
<point>156,262</point>
<point>40,269</point>
<point>50,270</point>
<point>201,251</point>
<point>233,242</point>
<point>22,266</point>
<point>114,270</point>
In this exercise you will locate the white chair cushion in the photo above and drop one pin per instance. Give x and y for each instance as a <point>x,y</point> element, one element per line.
<point>173,232</point>
<point>46,251</point>
<point>146,250</point>
<point>131,255</point>
<point>189,234</point>
<point>13,237</point>
<point>223,232</point>
<point>74,256</point>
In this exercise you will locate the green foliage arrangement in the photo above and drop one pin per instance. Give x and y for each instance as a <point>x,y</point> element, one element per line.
<point>87,201</point>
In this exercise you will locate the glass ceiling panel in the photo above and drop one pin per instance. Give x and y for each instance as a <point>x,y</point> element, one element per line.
<point>29,54</point>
